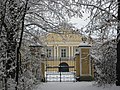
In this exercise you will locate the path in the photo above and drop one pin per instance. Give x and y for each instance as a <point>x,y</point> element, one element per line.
<point>72,86</point>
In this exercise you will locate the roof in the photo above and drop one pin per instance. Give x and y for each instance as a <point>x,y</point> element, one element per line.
<point>36,45</point>
<point>84,44</point>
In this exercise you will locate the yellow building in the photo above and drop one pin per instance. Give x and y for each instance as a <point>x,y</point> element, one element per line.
<point>67,52</point>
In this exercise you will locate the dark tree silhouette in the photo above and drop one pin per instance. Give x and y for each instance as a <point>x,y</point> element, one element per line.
<point>118,48</point>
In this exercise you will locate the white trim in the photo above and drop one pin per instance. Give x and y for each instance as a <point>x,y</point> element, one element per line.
<point>69,51</point>
<point>54,51</point>
<point>72,51</point>
<point>68,43</point>
<point>57,52</point>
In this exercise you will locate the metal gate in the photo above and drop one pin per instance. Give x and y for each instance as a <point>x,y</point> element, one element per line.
<point>62,70</point>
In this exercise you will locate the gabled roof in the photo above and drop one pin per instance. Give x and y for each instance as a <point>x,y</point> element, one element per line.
<point>64,35</point>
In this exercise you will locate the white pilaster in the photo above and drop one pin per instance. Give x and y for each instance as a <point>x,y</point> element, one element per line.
<point>54,51</point>
<point>57,54</point>
<point>72,51</point>
<point>69,52</point>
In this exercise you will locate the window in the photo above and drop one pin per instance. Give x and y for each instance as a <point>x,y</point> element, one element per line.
<point>76,50</point>
<point>49,52</point>
<point>63,52</point>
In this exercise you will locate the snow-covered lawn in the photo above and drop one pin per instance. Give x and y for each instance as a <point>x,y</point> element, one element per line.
<point>73,86</point>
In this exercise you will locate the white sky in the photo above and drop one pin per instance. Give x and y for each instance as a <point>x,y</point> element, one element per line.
<point>80,22</point>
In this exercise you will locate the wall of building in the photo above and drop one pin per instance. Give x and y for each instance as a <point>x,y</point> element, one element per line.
<point>85,62</point>
<point>54,65</point>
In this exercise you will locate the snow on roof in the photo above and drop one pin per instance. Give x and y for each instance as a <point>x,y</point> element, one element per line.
<point>36,45</point>
<point>84,44</point>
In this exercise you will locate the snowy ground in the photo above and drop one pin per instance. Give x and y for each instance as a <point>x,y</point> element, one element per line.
<point>73,86</point>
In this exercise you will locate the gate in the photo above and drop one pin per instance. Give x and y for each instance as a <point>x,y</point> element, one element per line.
<point>62,70</point>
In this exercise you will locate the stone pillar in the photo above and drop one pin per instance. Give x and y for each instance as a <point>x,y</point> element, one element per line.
<point>85,63</point>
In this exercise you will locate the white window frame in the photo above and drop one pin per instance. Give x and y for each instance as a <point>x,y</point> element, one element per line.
<point>65,52</point>
<point>49,52</point>
<point>76,48</point>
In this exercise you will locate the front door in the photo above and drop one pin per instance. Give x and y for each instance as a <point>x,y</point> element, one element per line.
<point>63,67</point>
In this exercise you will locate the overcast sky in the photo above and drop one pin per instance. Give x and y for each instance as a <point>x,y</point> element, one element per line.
<point>80,22</point>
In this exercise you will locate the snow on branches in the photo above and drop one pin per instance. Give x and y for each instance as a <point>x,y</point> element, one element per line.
<point>105,57</point>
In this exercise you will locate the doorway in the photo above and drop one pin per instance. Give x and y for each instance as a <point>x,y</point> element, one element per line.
<point>63,67</point>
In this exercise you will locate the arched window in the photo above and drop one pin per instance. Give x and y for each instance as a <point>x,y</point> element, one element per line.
<point>63,67</point>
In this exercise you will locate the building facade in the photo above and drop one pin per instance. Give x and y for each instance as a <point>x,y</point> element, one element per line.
<point>66,51</point>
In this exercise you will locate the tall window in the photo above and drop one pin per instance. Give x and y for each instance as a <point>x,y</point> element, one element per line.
<point>49,52</point>
<point>63,52</point>
<point>76,50</point>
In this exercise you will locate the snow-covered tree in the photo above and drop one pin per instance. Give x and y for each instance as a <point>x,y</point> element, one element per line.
<point>17,16</point>
<point>11,18</point>
<point>103,27</point>
<point>105,58</point>
<point>103,22</point>
<point>45,14</point>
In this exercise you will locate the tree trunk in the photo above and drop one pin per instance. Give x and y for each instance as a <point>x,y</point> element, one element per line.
<point>20,42</point>
<point>118,48</point>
